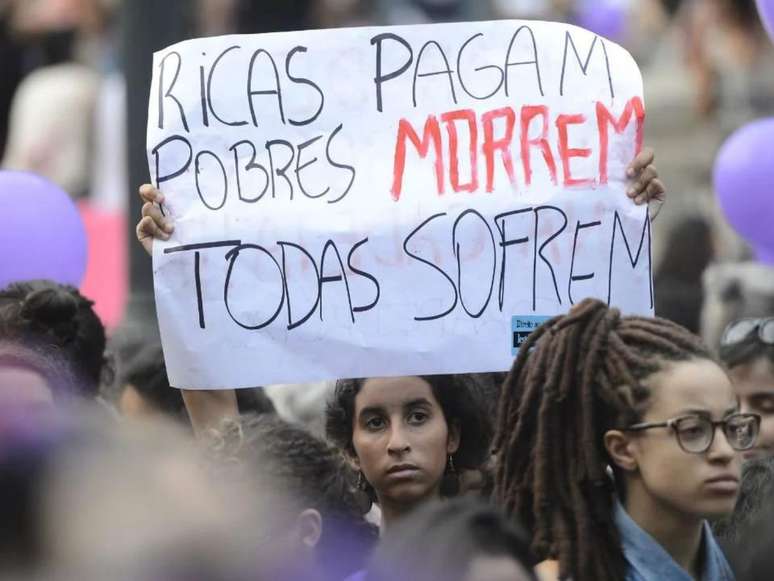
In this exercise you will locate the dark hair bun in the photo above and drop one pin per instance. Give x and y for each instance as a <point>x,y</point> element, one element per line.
<point>52,310</point>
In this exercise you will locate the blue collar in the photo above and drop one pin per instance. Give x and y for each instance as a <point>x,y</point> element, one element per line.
<point>648,560</point>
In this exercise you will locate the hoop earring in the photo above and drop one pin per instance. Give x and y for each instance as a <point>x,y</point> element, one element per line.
<point>450,484</point>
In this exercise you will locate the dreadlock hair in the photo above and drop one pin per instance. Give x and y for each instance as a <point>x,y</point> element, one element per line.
<point>576,377</point>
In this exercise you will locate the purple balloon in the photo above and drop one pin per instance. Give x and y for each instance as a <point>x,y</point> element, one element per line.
<point>764,255</point>
<point>42,234</point>
<point>744,183</point>
<point>604,18</point>
<point>766,10</point>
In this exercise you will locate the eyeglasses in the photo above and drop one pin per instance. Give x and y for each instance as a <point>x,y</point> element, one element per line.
<point>739,330</point>
<point>696,433</point>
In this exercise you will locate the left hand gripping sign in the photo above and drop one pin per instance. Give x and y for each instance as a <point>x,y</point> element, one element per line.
<point>388,201</point>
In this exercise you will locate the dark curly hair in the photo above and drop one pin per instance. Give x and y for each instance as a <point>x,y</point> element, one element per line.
<point>460,397</point>
<point>48,315</point>
<point>312,473</point>
<point>441,540</point>
<point>49,365</point>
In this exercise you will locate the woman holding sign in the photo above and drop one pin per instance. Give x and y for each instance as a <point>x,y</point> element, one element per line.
<point>634,438</point>
<point>207,407</point>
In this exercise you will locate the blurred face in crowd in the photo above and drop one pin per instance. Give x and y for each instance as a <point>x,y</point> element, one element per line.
<point>24,389</point>
<point>401,439</point>
<point>496,568</point>
<point>661,473</point>
<point>754,385</point>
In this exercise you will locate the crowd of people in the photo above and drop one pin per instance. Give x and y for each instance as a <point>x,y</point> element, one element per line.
<point>617,448</point>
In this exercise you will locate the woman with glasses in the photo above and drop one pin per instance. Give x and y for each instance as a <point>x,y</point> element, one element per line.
<point>617,438</point>
<point>747,349</point>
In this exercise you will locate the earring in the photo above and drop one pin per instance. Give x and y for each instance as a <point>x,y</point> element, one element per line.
<point>362,496</point>
<point>452,469</point>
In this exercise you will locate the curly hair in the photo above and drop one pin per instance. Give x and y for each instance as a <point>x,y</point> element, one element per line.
<point>51,366</point>
<point>460,398</point>
<point>57,317</point>
<point>313,475</point>
<point>441,540</point>
<point>576,377</point>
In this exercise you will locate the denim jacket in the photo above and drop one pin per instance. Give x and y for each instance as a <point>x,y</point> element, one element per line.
<point>649,561</point>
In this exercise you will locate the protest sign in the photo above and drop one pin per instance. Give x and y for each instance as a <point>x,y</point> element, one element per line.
<point>389,201</point>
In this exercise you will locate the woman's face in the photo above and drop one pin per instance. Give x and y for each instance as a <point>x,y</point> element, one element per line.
<point>701,485</point>
<point>754,385</point>
<point>401,438</point>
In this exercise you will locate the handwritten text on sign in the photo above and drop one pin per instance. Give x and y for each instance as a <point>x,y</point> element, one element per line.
<point>384,201</point>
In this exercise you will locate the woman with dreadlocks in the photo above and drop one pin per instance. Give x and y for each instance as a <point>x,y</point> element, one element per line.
<point>609,448</point>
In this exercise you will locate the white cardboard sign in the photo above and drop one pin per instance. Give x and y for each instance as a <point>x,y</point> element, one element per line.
<point>389,201</point>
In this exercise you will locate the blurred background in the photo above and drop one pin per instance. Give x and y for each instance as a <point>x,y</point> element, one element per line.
<point>76,76</point>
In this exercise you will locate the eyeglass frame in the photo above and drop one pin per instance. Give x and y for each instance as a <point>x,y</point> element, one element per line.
<point>758,325</point>
<point>715,424</point>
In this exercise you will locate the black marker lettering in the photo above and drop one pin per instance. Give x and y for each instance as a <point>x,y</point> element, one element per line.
<point>456,247</point>
<point>231,257</point>
<point>539,252</point>
<point>275,91</point>
<point>224,195</point>
<point>350,169</point>
<point>568,41</point>
<point>304,81</point>
<point>381,78</point>
<point>362,273</point>
<point>326,279</point>
<point>209,89</point>
<point>291,323</point>
<point>431,265</point>
<point>573,277</point>
<point>168,93</point>
<point>534,61</point>
<point>447,71</point>
<point>156,154</point>
<point>251,165</point>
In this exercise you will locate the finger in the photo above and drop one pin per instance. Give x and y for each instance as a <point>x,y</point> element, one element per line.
<point>150,194</point>
<point>643,160</point>
<point>640,185</point>
<point>147,228</point>
<point>656,190</point>
<point>154,212</point>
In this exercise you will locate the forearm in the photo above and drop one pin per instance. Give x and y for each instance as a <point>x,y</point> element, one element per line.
<point>206,408</point>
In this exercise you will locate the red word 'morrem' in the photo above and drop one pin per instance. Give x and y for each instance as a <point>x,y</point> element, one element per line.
<point>494,146</point>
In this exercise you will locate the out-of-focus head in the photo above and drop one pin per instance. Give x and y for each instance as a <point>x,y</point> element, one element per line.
<point>53,317</point>
<point>460,540</point>
<point>144,389</point>
<point>305,494</point>
<point>82,499</point>
<point>32,381</point>
<point>747,349</point>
